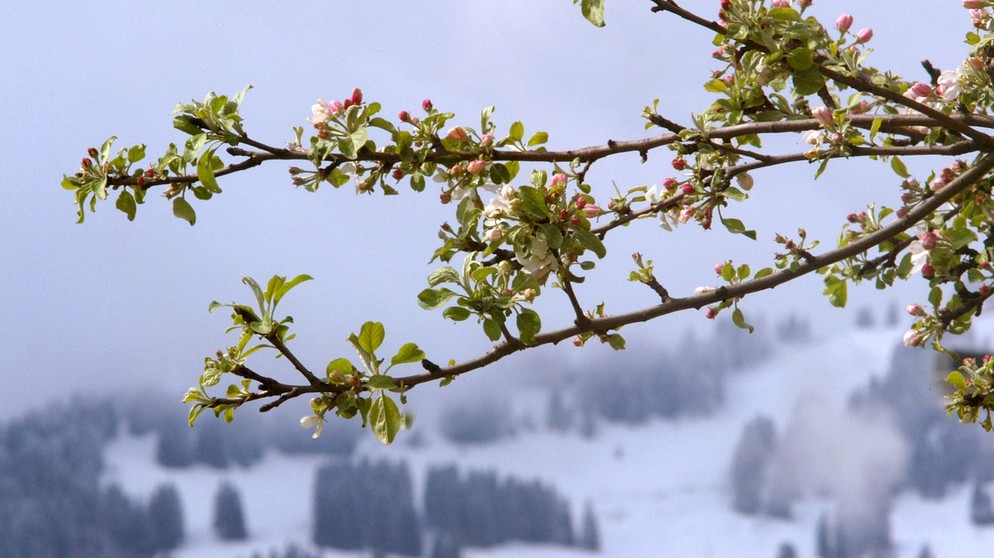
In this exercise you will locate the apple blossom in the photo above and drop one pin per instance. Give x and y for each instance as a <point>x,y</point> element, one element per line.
<point>670,183</point>
<point>591,210</point>
<point>321,113</point>
<point>404,116</point>
<point>537,261</point>
<point>679,163</point>
<point>919,256</point>
<point>559,179</point>
<point>949,84</point>
<point>916,309</point>
<point>703,290</point>
<point>313,421</point>
<point>426,105</point>
<point>864,35</point>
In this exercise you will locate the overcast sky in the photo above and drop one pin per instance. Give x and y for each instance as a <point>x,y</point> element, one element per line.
<point>116,303</point>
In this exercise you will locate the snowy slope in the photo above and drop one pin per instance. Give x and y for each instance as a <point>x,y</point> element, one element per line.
<point>659,489</point>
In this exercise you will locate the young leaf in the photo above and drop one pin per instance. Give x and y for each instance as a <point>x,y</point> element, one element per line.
<point>183,210</point>
<point>126,203</point>
<point>371,336</point>
<point>593,10</point>
<point>381,381</point>
<point>384,418</point>
<point>529,324</point>
<point>409,352</point>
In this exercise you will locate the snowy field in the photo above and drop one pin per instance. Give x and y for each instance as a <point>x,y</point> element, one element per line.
<point>659,490</point>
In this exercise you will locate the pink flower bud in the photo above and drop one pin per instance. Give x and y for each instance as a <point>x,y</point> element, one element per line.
<point>426,104</point>
<point>824,116</point>
<point>928,271</point>
<point>397,174</point>
<point>928,239</point>
<point>711,313</point>
<point>920,89</point>
<point>581,202</point>
<point>494,234</point>
<point>670,183</point>
<point>687,188</point>
<point>844,22</point>
<point>92,152</point>
<point>356,96</point>
<point>335,107</point>
<point>973,4</point>
<point>577,342</point>
<point>476,167</point>
<point>864,35</point>
<point>559,179</point>
<point>404,116</point>
<point>916,309</point>
<point>780,4</point>
<point>591,210</point>
<point>487,140</point>
<point>718,267</point>
<point>457,133</point>
<point>912,338</point>
<point>679,164</point>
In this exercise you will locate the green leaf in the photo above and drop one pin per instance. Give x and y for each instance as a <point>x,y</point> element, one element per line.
<point>381,381</point>
<point>183,210</point>
<point>808,81</point>
<point>616,341</point>
<point>260,299</point>
<point>736,226</point>
<point>517,131</point>
<point>898,166</point>
<point>593,10</point>
<point>445,274</point>
<point>590,241</point>
<point>837,291</point>
<point>371,336</point>
<point>285,287</point>
<point>800,59</point>
<point>456,313</point>
<point>384,418</point>
<point>430,299</point>
<point>956,379</point>
<point>492,329</point>
<point>763,273</point>
<point>126,203</point>
<point>739,320</point>
<point>409,352</point>
<point>529,324</point>
<point>538,139</point>
<point>533,202</point>
<point>205,171</point>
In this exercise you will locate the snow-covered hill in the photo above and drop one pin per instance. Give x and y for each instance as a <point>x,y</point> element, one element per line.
<point>660,489</point>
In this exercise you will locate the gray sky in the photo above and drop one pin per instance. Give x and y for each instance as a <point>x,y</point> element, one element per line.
<point>111,303</point>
